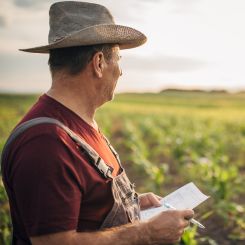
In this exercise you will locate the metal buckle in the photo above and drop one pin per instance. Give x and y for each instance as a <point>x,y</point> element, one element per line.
<point>103,167</point>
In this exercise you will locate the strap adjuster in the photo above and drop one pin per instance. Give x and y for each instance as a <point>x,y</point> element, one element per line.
<point>104,168</point>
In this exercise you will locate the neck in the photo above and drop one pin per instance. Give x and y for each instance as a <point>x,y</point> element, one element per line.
<point>80,99</point>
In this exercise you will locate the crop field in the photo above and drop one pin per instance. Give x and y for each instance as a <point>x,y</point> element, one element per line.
<point>166,140</point>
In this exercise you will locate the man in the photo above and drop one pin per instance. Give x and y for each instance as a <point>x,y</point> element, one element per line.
<point>64,180</point>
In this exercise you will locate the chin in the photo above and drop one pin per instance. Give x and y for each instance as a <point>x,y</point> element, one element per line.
<point>107,99</point>
<point>110,98</point>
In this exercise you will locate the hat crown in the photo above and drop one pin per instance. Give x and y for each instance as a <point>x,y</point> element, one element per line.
<point>66,18</point>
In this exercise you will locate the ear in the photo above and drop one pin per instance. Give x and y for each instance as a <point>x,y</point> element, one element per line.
<point>98,64</point>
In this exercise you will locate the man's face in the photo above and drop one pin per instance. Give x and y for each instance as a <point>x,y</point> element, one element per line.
<point>111,74</point>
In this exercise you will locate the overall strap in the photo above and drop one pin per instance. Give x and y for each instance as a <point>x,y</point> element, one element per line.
<point>113,151</point>
<point>96,160</point>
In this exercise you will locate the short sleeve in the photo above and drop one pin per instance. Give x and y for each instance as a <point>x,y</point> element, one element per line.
<point>47,185</point>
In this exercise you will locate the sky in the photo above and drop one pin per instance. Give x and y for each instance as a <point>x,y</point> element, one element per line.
<point>192,44</point>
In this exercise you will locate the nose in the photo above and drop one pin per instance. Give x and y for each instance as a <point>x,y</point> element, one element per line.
<point>121,72</point>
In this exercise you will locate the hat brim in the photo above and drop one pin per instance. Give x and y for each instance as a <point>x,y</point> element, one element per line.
<point>125,37</point>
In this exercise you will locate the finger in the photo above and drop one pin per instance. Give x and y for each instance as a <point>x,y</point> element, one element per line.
<point>158,197</point>
<point>185,223</point>
<point>180,233</point>
<point>188,214</point>
<point>154,200</point>
<point>176,240</point>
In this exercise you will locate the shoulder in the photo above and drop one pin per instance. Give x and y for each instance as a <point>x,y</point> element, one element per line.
<point>41,143</point>
<point>43,149</point>
<point>43,132</point>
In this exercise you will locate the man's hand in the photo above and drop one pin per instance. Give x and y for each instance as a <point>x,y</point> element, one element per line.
<point>168,226</point>
<point>148,200</point>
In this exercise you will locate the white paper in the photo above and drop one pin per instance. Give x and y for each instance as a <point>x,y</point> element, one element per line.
<point>186,197</point>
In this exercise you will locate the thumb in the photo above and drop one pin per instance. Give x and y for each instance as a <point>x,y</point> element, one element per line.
<point>188,214</point>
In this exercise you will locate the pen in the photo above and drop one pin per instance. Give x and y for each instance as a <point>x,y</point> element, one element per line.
<point>193,221</point>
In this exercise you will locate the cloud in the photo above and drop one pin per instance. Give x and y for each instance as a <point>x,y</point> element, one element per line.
<point>3,21</point>
<point>163,64</point>
<point>23,3</point>
<point>175,6</point>
<point>185,7</point>
<point>26,3</point>
<point>32,3</point>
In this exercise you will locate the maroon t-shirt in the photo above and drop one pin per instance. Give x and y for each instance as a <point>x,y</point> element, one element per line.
<point>51,185</point>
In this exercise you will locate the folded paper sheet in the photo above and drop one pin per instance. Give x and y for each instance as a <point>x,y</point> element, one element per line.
<point>186,197</point>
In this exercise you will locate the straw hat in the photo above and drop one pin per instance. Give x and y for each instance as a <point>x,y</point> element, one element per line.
<point>81,24</point>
